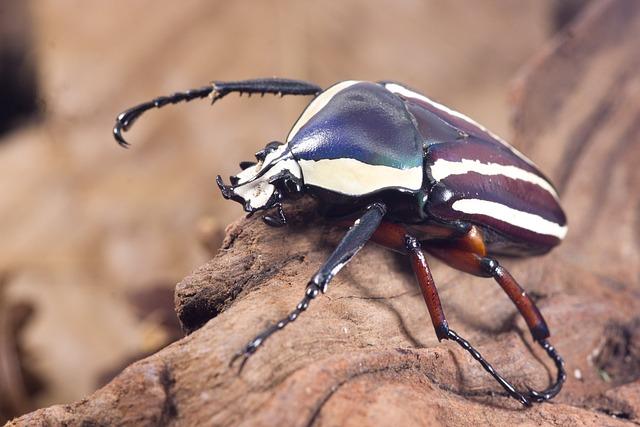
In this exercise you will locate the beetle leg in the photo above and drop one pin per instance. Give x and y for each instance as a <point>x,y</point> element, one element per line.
<point>535,321</point>
<point>467,255</point>
<point>276,221</point>
<point>351,243</point>
<point>396,237</point>
<point>428,287</point>
<point>215,90</point>
<point>273,86</point>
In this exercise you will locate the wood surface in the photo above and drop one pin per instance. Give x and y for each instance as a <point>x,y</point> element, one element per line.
<point>366,353</point>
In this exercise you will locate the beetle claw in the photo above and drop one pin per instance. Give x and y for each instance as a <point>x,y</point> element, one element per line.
<point>123,121</point>
<point>246,352</point>
<point>554,389</point>
<point>117,134</point>
<point>238,355</point>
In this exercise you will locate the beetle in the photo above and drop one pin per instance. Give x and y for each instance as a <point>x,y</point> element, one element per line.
<point>410,174</point>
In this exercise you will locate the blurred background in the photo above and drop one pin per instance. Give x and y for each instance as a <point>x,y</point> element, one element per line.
<point>93,238</point>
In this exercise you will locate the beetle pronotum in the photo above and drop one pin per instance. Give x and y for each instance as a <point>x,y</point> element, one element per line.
<point>409,174</point>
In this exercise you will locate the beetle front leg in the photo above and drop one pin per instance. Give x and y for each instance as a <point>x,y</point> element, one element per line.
<point>216,90</point>
<point>351,243</point>
<point>276,221</point>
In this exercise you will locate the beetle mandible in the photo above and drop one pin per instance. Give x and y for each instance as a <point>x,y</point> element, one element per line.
<point>415,175</point>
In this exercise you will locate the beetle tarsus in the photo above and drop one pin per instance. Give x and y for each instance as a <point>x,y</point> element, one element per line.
<point>532,396</point>
<point>554,389</point>
<point>311,292</point>
<point>509,388</point>
<point>126,119</point>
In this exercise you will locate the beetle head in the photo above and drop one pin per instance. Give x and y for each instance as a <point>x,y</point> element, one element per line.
<point>264,184</point>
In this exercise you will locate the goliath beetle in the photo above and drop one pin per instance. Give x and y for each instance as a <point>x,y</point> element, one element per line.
<point>413,176</point>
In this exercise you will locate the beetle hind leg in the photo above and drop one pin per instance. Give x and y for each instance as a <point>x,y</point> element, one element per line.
<point>535,322</point>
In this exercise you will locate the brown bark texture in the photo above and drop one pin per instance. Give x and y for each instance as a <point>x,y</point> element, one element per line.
<point>365,353</point>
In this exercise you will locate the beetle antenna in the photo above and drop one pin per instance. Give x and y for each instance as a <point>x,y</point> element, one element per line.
<point>216,90</point>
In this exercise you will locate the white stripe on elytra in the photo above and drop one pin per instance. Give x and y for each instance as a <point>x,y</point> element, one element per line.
<point>318,104</point>
<point>396,88</point>
<point>355,178</point>
<point>444,168</point>
<point>517,218</point>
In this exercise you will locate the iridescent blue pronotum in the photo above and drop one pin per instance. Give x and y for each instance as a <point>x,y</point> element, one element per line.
<point>408,173</point>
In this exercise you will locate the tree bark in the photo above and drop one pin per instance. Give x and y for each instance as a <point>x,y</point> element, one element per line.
<point>366,353</point>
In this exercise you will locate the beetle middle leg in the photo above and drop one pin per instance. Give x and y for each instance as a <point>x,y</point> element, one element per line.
<point>351,243</point>
<point>469,255</point>
<point>396,237</point>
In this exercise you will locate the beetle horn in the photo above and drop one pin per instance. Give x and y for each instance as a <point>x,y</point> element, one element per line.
<point>216,90</point>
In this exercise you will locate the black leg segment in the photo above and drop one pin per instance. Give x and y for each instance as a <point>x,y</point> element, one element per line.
<point>357,236</point>
<point>509,388</point>
<point>215,90</point>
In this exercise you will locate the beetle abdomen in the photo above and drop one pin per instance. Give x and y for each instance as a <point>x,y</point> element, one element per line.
<point>518,204</point>
<point>477,177</point>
